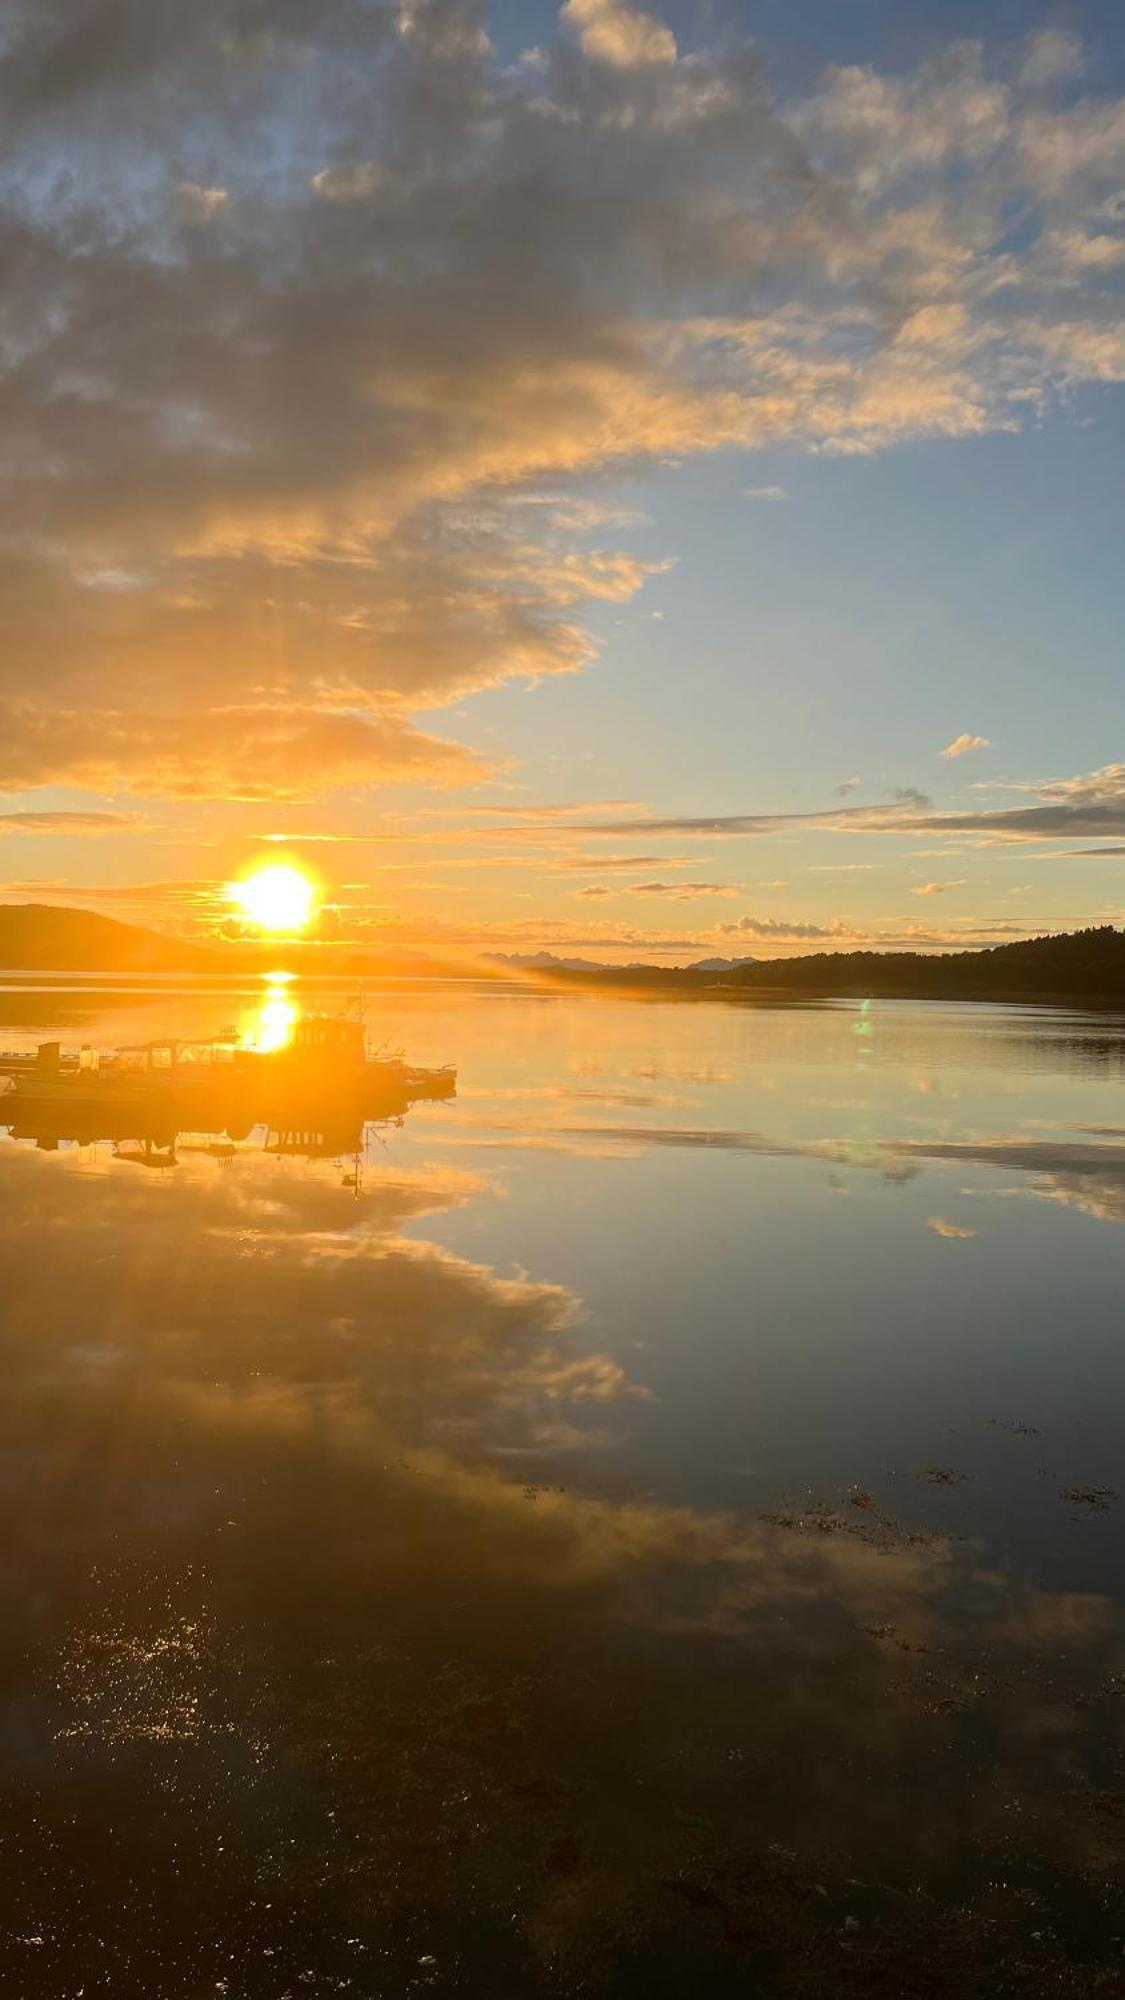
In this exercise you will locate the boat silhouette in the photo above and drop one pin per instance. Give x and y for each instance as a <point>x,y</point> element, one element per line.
<point>314,1094</point>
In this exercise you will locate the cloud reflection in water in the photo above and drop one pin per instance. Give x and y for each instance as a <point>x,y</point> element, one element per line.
<point>280,1619</point>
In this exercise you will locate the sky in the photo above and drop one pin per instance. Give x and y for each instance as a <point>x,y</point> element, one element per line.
<point>635,483</point>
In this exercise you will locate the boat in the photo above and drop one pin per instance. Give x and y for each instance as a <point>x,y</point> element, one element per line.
<point>314,1093</point>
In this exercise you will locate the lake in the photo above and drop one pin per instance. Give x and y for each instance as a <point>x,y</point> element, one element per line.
<point>646,1525</point>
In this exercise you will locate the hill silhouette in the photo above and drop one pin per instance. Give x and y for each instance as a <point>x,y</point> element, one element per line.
<point>1072,965</point>
<point>1086,964</point>
<point>39,937</point>
<point>36,937</point>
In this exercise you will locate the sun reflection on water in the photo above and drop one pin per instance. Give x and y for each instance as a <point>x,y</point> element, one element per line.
<point>270,1025</point>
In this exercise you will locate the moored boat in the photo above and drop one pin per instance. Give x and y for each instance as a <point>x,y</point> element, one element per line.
<point>320,1080</point>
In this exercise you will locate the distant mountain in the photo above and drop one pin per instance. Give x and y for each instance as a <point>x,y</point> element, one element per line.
<point>720,964</point>
<point>35,937</point>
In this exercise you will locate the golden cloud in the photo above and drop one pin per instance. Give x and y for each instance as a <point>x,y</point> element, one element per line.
<point>282,410</point>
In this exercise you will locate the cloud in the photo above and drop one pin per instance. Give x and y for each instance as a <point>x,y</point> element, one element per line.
<point>1089,804</point>
<point>85,823</point>
<point>964,743</point>
<point>611,31</point>
<point>952,1231</point>
<point>201,204</point>
<point>1075,251</point>
<point>1076,154</point>
<point>357,182</point>
<point>784,930</point>
<point>193,899</point>
<point>847,785</point>
<point>1052,55</point>
<point>245,753</point>
<point>612,863</point>
<point>888,127</point>
<point>765,493</point>
<point>323,346</point>
<point>1106,786</point>
<point>839,934</point>
<point>907,813</point>
<point>1077,807</point>
<point>679,892</point>
<point>685,889</point>
<point>542,811</point>
<point>937,888</point>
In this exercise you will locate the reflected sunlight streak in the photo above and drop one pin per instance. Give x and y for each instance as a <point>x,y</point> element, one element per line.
<point>270,1026</point>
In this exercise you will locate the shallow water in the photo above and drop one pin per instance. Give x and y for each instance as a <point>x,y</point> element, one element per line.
<point>647,1525</point>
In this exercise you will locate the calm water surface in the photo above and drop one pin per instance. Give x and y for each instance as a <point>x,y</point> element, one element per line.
<point>647,1526</point>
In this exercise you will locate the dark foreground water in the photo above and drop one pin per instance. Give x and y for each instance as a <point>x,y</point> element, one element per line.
<point>645,1528</point>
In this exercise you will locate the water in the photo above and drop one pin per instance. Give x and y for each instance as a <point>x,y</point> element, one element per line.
<point>648,1525</point>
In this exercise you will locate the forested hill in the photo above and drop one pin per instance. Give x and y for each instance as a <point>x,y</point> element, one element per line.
<point>1087,964</point>
<point>1076,965</point>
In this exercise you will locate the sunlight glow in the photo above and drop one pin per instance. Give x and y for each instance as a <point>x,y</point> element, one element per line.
<point>280,898</point>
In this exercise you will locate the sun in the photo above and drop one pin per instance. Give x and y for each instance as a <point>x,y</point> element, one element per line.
<point>280,898</point>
